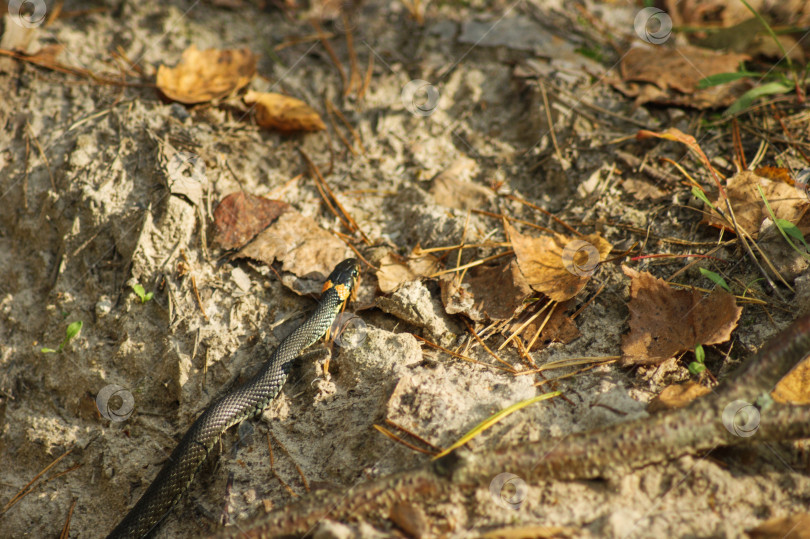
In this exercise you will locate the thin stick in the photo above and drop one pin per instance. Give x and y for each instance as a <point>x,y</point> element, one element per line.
<point>411,433</point>
<point>546,213</point>
<point>471,264</point>
<point>194,286</point>
<point>397,439</point>
<point>525,355</point>
<point>79,72</point>
<point>367,79</point>
<point>459,356</point>
<point>273,468</point>
<point>353,226</point>
<point>564,376</point>
<point>572,362</point>
<point>348,241</point>
<point>343,139</point>
<point>590,300</point>
<point>550,124</point>
<point>519,330</point>
<point>303,39</point>
<point>354,77</point>
<point>420,251</point>
<point>493,354</point>
<point>27,163</point>
<point>331,52</point>
<point>351,129</point>
<point>23,491</point>
<point>542,326</point>
<point>297,467</point>
<point>66,528</point>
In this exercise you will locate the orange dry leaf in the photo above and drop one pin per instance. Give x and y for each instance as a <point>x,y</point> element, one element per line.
<point>205,75</point>
<point>777,174</point>
<point>793,527</point>
<point>558,266</point>
<point>748,206</point>
<point>675,134</point>
<point>277,111</point>
<point>794,388</point>
<point>240,216</point>
<point>665,321</point>
<point>677,396</point>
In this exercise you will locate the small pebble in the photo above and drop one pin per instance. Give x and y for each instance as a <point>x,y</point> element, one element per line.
<point>103,306</point>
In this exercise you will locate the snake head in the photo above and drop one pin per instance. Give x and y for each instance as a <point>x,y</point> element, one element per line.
<point>343,278</point>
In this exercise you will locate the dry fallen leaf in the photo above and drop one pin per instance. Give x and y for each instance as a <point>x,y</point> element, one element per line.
<point>665,321</point>
<point>672,78</point>
<point>642,190</point>
<point>396,270</point>
<point>558,266</point>
<point>559,328</point>
<point>677,396</point>
<point>792,527</point>
<point>451,189</point>
<point>304,249</point>
<point>749,208</point>
<point>287,114</point>
<point>240,216</point>
<point>205,75</point>
<point>533,532</point>
<point>487,293</point>
<point>794,388</point>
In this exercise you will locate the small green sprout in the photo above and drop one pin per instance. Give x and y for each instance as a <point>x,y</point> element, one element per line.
<point>71,331</point>
<point>697,192</point>
<point>715,278</point>
<point>698,366</point>
<point>142,293</point>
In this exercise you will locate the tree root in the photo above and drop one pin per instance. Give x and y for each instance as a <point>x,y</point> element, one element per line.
<point>616,449</point>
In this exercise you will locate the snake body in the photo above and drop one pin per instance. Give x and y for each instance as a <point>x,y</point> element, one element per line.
<point>247,401</point>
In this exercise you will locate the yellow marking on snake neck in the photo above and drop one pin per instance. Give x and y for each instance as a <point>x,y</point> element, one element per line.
<point>343,291</point>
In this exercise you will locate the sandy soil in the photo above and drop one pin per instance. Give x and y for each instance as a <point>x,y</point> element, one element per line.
<point>86,212</point>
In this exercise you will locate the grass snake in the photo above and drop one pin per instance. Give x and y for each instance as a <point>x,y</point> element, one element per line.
<point>247,401</point>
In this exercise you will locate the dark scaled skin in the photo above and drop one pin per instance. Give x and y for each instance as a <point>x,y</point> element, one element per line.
<point>247,401</point>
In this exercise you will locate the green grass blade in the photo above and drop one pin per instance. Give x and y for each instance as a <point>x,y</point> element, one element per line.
<point>495,418</point>
<point>776,222</point>
<point>724,78</point>
<point>715,278</point>
<point>770,31</point>
<point>748,98</point>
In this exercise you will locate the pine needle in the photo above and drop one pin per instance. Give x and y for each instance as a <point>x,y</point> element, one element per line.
<point>495,418</point>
